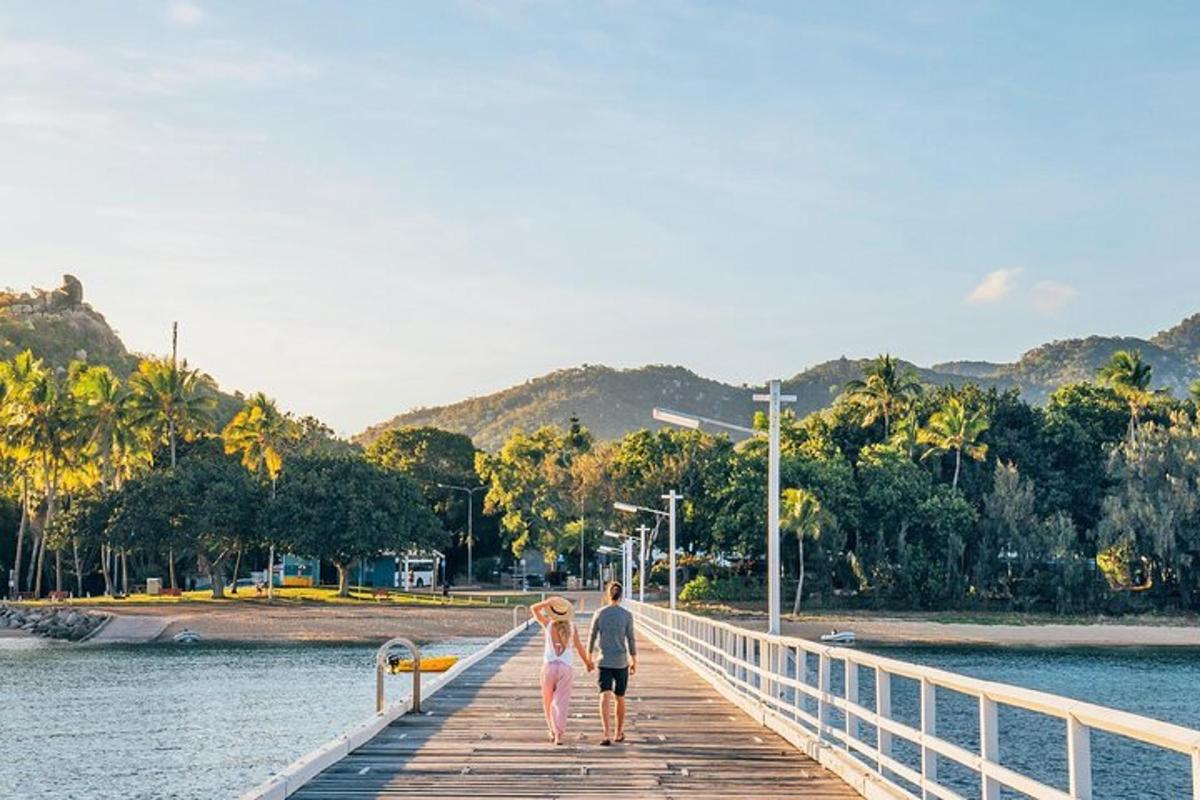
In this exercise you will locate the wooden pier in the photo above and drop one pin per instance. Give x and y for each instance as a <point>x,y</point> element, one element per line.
<point>484,736</point>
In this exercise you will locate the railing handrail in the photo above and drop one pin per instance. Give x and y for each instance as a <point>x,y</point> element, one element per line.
<point>381,665</point>
<point>724,650</point>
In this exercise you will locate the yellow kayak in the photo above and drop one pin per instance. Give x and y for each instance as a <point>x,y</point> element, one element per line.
<point>434,664</point>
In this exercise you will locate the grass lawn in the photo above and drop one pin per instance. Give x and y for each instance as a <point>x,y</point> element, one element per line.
<point>320,595</point>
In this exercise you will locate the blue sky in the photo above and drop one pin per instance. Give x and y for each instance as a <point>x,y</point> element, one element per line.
<point>364,207</point>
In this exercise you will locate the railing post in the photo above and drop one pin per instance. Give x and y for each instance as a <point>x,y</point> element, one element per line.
<point>883,708</point>
<point>851,700</point>
<point>823,686</point>
<point>1196,774</point>
<point>989,747</point>
<point>1079,759</point>
<point>516,614</point>
<point>928,728</point>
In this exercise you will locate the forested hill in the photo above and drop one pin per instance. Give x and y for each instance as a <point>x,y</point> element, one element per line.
<point>59,327</point>
<point>611,402</point>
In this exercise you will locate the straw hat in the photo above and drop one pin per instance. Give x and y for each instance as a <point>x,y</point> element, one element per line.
<point>559,609</point>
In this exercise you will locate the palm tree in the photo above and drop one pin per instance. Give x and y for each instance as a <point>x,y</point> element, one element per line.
<point>169,400</point>
<point>884,391</point>
<point>1129,377</point>
<point>104,415</point>
<point>953,429</point>
<point>1194,392</point>
<point>802,515</point>
<point>15,377</point>
<point>42,425</point>
<point>259,432</point>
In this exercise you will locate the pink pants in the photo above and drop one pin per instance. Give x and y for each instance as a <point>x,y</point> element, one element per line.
<point>557,679</point>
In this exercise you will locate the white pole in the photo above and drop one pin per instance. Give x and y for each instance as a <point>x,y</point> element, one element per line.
<point>773,594</point>
<point>271,575</point>
<point>627,550</point>
<point>671,497</point>
<point>773,398</point>
<point>470,536</point>
<point>642,564</point>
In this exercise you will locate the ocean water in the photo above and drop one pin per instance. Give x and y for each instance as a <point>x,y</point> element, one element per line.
<point>210,721</point>
<point>1160,683</point>
<point>173,721</point>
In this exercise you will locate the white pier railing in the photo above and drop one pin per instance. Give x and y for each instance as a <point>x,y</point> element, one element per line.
<point>860,738</point>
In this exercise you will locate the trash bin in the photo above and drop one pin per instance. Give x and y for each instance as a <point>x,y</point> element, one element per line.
<point>154,586</point>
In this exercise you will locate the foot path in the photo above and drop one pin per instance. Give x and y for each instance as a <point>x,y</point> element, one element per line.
<point>484,736</point>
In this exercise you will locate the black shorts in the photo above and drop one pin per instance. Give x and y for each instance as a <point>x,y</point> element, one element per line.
<point>615,680</point>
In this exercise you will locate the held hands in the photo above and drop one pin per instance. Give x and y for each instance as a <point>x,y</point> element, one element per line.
<point>590,665</point>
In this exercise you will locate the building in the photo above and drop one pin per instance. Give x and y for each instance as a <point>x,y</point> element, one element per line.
<point>411,570</point>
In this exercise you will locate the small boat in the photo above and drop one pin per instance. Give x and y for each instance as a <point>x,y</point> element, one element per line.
<point>838,637</point>
<point>186,636</point>
<point>434,664</point>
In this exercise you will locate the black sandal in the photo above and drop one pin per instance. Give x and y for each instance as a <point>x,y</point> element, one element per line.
<point>606,743</point>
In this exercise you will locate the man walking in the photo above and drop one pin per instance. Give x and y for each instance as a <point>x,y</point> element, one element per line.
<point>613,628</point>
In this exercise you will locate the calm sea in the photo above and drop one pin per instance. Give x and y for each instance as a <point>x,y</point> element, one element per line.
<point>174,721</point>
<point>210,721</point>
<point>1160,683</point>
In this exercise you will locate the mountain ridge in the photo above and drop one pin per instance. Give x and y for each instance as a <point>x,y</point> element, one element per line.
<point>611,402</point>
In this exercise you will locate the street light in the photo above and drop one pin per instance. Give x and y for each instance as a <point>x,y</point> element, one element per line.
<point>627,556</point>
<point>672,498</point>
<point>773,398</point>
<point>470,491</point>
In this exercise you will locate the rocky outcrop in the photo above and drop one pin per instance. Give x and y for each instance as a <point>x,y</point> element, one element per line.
<point>59,622</point>
<point>69,295</point>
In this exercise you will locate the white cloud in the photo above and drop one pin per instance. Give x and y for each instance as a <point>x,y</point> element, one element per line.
<point>184,14</point>
<point>994,287</point>
<point>1047,297</point>
<point>38,55</point>
<point>31,115</point>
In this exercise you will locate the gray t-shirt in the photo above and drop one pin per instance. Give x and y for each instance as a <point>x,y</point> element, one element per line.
<point>613,626</point>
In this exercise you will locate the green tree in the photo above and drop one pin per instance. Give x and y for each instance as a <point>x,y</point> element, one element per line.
<point>803,516</point>
<point>884,391</point>
<point>530,485</point>
<point>259,433</point>
<point>345,509</point>
<point>170,401</point>
<point>1155,503</point>
<point>954,429</point>
<point>1129,376</point>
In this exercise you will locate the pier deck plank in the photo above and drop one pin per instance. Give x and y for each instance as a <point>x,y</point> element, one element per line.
<point>484,736</point>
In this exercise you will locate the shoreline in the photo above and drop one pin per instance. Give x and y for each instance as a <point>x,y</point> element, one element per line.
<point>303,623</point>
<point>892,631</point>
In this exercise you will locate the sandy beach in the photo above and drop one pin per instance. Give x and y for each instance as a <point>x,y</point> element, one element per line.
<point>260,622</point>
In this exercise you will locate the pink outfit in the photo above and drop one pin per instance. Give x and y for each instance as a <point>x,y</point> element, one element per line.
<point>558,677</point>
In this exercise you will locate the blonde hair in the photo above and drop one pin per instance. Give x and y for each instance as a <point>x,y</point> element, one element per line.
<point>561,628</point>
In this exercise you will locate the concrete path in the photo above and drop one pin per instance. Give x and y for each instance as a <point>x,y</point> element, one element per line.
<point>130,629</point>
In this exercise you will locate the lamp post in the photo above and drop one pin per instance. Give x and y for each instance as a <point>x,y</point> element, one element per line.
<point>626,555</point>
<point>774,398</point>
<point>672,498</point>
<point>470,492</point>
<point>642,562</point>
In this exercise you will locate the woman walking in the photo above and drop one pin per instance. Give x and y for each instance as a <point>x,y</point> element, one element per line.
<point>556,615</point>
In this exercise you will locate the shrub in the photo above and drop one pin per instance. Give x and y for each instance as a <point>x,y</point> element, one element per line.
<point>703,589</point>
